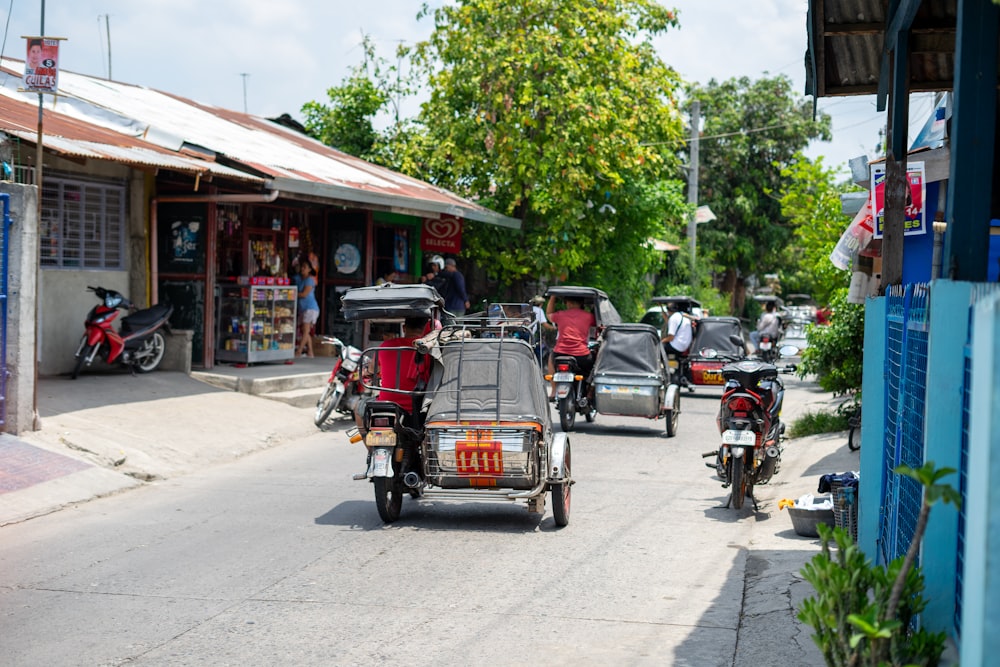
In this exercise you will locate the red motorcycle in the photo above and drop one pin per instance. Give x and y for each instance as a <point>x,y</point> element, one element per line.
<point>137,343</point>
<point>344,388</point>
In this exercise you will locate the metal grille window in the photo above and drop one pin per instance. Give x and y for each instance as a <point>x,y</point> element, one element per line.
<point>83,224</point>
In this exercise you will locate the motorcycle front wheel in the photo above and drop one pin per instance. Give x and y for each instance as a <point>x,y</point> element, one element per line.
<point>149,356</point>
<point>737,480</point>
<point>388,497</point>
<point>81,359</point>
<point>328,402</point>
<point>567,413</point>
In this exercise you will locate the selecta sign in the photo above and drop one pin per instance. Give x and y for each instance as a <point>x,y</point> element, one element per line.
<point>442,235</point>
<point>41,64</point>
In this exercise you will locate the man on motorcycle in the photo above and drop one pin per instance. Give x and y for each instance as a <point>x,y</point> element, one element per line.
<point>573,327</point>
<point>399,369</point>
<point>769,323</point>
<point>678,333</point>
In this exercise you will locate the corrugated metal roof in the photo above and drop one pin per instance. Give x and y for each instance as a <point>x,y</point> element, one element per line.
<point>75,138</point>
<point>846,42</point>
<point>302,164</point>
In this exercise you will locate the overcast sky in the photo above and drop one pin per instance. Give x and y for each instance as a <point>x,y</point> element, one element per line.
<point>293,50</point>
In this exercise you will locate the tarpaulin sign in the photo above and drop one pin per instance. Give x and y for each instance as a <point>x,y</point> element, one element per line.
<point>914,217</point>
<point>41,64</point>
<point>442,235</point>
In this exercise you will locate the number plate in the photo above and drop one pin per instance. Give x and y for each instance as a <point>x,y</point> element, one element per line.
<point>765,345</point>
<point>712,377</point>
<point>741,438</point>
<point>380,439</point>
<point>381,466</point>
<point>349,365</point>
<point>562,377</point>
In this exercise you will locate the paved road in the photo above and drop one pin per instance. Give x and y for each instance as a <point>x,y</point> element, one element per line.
<point>280,558</point>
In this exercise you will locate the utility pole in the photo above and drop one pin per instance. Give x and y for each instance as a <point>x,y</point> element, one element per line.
<point>693,182</point>
<point>244,75</point>
<point>107,29</point>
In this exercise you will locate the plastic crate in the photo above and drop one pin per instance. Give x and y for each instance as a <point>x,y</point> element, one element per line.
<point>845,508</point>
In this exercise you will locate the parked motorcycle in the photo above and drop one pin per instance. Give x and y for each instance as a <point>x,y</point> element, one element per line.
<point>572,391</point>
<point>344,388</point>
<point>750,423</point>
<point>137,343</point>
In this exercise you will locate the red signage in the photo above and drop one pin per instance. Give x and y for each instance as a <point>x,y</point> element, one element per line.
<point>442,235</point>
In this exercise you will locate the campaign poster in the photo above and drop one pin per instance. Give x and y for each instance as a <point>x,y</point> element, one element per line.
<point>914,216</point>
<point>442,235</point>
<point>41,65</point>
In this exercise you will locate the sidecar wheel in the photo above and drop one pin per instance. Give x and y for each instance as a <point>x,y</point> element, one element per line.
<point>673,415</point>
<point>567,413</point>
<point>590,414</point>
<point>562,494</point>
<point>388,498</point>
<point>328,402</point>
<point>149,356</point>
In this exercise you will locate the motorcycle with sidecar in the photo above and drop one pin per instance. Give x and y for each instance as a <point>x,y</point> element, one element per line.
<point>716,342</point>
<point>479,430</point>
<point>632,376</point>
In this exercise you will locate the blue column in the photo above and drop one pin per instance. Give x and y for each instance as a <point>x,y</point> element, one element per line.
<point>949,330</point>
<point>981,592</point>
<point>870,490</point>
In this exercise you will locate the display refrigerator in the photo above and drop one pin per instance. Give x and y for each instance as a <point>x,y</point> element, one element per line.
<point>256,323</point>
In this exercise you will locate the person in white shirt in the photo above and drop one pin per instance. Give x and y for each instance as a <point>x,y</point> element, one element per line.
<point>677,336</point>
<point>769,323</point>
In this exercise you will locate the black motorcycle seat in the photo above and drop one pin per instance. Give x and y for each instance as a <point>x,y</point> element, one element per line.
<point>143,319</point>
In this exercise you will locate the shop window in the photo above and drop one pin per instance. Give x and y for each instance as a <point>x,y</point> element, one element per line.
<point>392,251</point>
<point>83,224</point>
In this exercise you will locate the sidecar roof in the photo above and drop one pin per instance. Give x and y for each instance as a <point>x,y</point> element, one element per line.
<point>390,300</point>
<point>604,311</point>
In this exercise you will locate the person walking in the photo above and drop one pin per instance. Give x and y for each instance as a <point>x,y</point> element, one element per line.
<point>308,308</point>
<point>457,299</point>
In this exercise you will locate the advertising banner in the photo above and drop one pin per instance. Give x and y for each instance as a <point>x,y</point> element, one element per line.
<point>915,216</point>
<point>41,65</point>
<point>442,235</point>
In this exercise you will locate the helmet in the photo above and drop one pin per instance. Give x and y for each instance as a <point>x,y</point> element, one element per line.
<point>437,259</point>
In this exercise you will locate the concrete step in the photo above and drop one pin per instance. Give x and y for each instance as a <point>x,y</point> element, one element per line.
<point>301,398</point>
<point>265,385</point>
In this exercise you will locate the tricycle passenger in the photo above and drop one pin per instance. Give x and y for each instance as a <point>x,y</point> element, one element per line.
<point>677,334</point>
<point>399,369</point>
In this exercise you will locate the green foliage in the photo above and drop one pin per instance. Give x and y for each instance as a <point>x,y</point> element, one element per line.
<point>812,423</point>
<point>810,200</point>
<point>752,130</point>
<point>835,351</point>
<point>560,113</point>
<point>864,614</point>
<point>347,122</point>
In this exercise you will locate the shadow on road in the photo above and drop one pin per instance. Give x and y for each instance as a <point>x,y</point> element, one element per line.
<point>500,517</point>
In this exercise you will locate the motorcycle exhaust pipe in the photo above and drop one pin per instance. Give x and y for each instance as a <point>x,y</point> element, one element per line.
<point>411,479</point>
<point>770,462</point>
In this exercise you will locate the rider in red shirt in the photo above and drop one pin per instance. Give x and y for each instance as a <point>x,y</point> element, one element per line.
<point>574,325</point>
<point>398,370</point>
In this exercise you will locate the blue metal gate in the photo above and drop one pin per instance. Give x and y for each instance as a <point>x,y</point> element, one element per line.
<point>907,326</point>
<point>4,257</point>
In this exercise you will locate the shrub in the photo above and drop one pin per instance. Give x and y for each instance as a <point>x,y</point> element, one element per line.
<point>835,352</point>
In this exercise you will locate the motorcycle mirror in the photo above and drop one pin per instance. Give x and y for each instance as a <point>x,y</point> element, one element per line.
<point>708,352</point>
<point>788,350</point>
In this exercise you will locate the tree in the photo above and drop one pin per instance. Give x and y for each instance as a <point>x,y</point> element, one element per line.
<point>557,112</point>
<point>810,201</point>
<point>752,129</point>
<point>348,122</point>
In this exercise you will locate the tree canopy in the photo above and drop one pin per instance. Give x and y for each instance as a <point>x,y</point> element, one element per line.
<point>557,112</point>
<point>752,130</point>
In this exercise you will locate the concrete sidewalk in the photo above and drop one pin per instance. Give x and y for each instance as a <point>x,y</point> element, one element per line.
<point>106,432</point>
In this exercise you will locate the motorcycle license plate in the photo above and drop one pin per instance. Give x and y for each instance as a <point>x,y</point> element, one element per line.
<point>765,345</point>
<point>562,377</point>
<point>381,467</point>
<point>740,438</point>
<point>349,365</point>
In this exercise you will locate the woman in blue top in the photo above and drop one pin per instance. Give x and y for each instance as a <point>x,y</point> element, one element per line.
<point>308,308</point>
